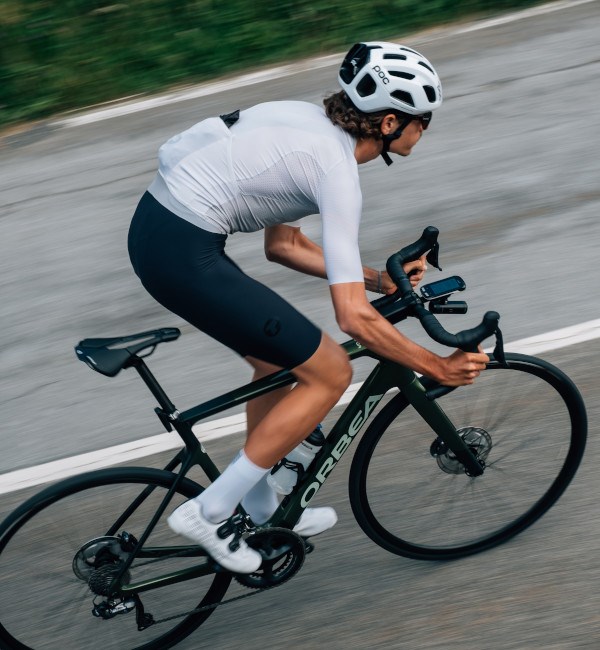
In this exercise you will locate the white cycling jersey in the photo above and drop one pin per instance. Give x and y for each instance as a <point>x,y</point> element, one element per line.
<point>279,162</point>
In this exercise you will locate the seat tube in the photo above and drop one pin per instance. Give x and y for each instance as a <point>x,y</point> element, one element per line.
<point>155,388</point>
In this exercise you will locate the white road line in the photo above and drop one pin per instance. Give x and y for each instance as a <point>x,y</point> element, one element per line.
<point>521,15</point>
<point>127,107</point>
<point>60,469</point>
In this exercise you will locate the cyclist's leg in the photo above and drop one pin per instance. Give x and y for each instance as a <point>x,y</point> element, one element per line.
<point>261,501</point>
<point>257,409</point>
<point>321,381</point>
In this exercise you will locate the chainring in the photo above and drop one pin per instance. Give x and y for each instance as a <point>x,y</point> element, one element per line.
<point>283,553</point>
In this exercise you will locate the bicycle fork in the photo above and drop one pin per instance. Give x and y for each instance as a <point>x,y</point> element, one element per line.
<point>439,422</point>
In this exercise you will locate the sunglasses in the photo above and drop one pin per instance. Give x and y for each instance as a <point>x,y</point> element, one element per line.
<point>424,118</point>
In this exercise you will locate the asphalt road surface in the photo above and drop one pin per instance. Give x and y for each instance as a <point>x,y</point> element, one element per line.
<point>508,172</point>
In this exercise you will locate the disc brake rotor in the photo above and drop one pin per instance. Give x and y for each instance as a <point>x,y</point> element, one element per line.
<point>283,554</point>
<point>479,442</point>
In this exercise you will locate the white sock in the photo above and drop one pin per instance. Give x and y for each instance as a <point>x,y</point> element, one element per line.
<point>261,501</point>
<point>221,498</point>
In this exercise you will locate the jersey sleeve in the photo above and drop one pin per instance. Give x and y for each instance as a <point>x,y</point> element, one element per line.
<point>340,204</point>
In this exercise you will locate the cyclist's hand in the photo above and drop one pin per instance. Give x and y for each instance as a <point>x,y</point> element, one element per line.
<point>416,270</point>
<point>462,368</point>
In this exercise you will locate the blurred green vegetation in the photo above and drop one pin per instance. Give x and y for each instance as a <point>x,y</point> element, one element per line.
<point>63,54</point>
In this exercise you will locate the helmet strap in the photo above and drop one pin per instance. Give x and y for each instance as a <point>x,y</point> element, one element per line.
<point>390,137</point>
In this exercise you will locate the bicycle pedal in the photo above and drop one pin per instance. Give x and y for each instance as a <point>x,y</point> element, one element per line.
<point>309,547</point>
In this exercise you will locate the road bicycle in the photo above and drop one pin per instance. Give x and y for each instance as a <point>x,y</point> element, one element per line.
<point>439,474</point>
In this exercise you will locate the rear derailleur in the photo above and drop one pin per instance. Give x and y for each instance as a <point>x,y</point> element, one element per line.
<point>112,607</point>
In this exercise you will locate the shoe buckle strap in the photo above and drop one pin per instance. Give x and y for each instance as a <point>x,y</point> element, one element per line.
<point>232,526</point>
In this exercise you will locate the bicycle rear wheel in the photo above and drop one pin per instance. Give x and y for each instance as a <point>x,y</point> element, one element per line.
<point>412,497</point>
<point>57,542</point>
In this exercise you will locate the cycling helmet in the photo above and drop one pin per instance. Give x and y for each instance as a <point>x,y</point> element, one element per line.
<point>379,76</point>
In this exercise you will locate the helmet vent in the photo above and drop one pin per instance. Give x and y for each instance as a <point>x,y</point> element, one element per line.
<point>366,86</point>
<point>430,92</point>
<point>403,75</point>
<point>401,57</point>
<point>407,49</point>
<point>346,73</point>
<point>426,66</point>
<point>404,96</point>
<point>354,61</point>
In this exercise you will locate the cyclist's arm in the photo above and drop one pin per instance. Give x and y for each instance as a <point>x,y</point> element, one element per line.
<point>362,322</point>
<point>289,246</point>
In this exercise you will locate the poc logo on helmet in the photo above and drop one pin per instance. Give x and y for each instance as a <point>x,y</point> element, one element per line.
<point>381,74</point>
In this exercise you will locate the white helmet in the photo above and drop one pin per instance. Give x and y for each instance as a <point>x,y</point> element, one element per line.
<point>379,76</point>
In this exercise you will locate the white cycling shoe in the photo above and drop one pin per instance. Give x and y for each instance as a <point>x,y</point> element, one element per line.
<point>221,541</point>
<point>315,521</point>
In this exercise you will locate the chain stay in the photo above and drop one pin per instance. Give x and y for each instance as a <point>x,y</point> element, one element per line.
<point>197,610</point>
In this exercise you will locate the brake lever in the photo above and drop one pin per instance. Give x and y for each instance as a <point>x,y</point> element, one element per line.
<point>434,255</point>
<point>499,349</point>
<point>439,391</point>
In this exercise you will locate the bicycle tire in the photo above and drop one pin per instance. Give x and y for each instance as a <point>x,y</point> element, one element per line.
<point>47,606</point>
<point>410,503</point>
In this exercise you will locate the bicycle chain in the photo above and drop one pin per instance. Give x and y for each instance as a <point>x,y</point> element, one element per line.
<point>204,608</point>
<point>214,605</point>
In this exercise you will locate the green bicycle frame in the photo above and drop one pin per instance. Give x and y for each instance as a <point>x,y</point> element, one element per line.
<point>384,377</point>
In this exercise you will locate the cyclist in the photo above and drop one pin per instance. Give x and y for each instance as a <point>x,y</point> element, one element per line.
<point>264,168</point>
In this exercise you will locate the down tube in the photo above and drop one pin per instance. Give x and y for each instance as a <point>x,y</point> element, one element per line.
<point>385,376</point>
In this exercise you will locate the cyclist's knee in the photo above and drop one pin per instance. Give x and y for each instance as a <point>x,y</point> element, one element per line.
<point>329,366</point>
<point>343,372</point>
<point>337,375</point>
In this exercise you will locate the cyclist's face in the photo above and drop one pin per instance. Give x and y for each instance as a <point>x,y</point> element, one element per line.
<point>409,138</point>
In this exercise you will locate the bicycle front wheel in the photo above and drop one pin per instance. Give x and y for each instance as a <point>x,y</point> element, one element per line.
<point>59,548</point>
<point>411,496</point>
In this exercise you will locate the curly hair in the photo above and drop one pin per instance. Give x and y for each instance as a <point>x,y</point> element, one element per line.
<point>342,112</point>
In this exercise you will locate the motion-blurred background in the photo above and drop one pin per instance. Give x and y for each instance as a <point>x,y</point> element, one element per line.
<point>508,171</point>
<point>56,56</point>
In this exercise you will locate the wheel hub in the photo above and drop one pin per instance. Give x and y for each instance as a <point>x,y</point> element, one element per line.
<point>479,442</point>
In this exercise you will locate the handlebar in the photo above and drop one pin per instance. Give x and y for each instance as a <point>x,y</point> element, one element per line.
<point>466,340</point>
<point>427,243</point>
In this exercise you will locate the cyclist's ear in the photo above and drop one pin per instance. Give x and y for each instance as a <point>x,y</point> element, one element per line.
<point>389,124</point>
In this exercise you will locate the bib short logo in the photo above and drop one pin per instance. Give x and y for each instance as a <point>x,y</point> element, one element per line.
<point>272,327</point>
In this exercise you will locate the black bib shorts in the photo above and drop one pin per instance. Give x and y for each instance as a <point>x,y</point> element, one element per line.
<point>187,271</point>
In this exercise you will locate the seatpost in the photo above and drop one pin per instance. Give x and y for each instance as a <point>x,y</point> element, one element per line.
<point>150,380</point>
